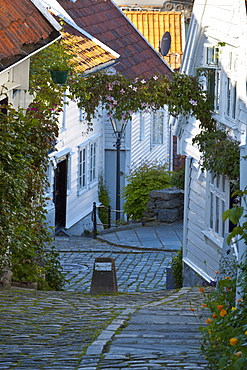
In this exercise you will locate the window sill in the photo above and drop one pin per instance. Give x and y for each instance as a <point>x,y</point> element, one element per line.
<point>81,191</point>
<point>93,184</point>
<point>216,240</point>
<point>227,121</point>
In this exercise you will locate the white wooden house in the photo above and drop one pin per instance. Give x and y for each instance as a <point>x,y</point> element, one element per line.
<point>216,41</point>
<point>21,38</point>
<point>105,21</point>
<point>77,162</point>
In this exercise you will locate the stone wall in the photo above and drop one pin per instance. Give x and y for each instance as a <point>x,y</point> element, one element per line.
<point>165,205</point>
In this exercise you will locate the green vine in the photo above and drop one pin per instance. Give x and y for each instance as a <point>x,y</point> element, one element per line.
<point>220,152</point>
<point>28,134</point>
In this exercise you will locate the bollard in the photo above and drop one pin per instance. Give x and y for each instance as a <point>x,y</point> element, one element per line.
<point>104,276</point>
<point>94,220</point>
<point>109,217</point>
<point>170,283</point>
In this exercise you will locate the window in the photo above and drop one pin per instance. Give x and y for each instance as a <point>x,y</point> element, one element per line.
<point>158,128</point>
<point>82,115</point>
<point>213,87</point>
<point>87,165</point>
<point>142,126</point>
<point>212,56</point>
<point>92,166</point>
<point>3,104</point>
<point>218,202</point>
<point>63,118</point>
<point>231,98</point>
<point>82,168</point>
<point>212,74</point>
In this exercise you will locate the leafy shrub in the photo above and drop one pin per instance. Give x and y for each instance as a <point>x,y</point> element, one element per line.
<point>104,199</point>
<point>225,337</point>
<point>141,180</point>
<point>177,178</point>
<point>177,269</point>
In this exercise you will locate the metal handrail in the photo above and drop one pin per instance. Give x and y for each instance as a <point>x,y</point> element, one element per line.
<point>94,217</point>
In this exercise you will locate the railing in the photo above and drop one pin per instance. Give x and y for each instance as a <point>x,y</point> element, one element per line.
<point>94,217</point>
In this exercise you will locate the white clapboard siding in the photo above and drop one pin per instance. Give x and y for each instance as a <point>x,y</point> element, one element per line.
<point>199,251</point>
<point>74,134</point>
<point>141,144</point>
<point>211,22</point>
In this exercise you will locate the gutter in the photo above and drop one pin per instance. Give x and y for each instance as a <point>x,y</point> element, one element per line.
<point>29,55</point>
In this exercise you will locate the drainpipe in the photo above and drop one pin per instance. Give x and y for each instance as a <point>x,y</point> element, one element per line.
<point>187,181</point>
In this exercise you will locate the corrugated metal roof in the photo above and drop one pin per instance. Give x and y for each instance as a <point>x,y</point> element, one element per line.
<point>153,24</point>
<point>23,29</point>
<point>104,20</point>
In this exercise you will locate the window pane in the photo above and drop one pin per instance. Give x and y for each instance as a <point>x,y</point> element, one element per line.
<point>217,215</point>
<point>223,223</point>
<point>217,189</point>
<point>82,168</point>
<point>158,127</point>
<point>211,211</point>
<point>92,162</point>
<point>228,97</point>
<point>234,99</point>
<point>217,91</point>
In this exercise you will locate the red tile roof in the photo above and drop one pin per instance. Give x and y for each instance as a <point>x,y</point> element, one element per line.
<point>23,29</point>
<point>152,24</point>
<point>106,22</point>
<point>87,54</point>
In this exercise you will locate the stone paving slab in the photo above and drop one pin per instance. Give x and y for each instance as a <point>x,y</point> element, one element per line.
<point>157,337</point>
<point>52,330</point>
<point>74,330</point>
<point>166,237</point>
<point>71,330</point>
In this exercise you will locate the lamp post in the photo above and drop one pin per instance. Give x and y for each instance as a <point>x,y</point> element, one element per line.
<point>118,128</point>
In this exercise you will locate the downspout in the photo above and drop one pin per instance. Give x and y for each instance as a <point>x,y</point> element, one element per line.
<point>187,181</point>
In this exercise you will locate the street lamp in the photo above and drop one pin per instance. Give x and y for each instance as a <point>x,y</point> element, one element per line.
<point>118,128</point>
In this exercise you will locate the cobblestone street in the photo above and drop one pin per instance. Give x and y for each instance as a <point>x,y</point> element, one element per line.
<point>144,326</point>
<point>137,271</point>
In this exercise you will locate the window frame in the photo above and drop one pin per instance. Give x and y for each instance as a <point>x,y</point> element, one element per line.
<point>213,75</point>
<point>157,123</point>
<point>82,168</point>
<point>87,166</point>
<point>92,161</point>
<point>218,200</point>
<point>231,99</point>
<point>142,126</point>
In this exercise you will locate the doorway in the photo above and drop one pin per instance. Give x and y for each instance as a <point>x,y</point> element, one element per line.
<point>60,192</point>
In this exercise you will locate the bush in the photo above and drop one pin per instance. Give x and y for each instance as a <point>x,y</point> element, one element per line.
<point>224,341</point>
<point>177,269</point>
<point>177,178</point>
<point>141,180</point>
<point>104,199</point>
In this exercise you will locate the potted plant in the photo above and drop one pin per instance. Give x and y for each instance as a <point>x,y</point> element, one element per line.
<point>60,63</point>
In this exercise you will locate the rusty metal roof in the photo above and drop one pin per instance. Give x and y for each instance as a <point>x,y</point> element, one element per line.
<point>153,24</point>
<point>87,53</point>
<point>23,29</point>
<point>105,21</point>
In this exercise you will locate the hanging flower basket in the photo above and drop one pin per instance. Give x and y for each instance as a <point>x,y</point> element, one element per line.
<point>59,77</point>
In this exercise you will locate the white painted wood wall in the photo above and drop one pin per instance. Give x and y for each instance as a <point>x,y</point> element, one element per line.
<point>73,134</point>
<point>212,22</point>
